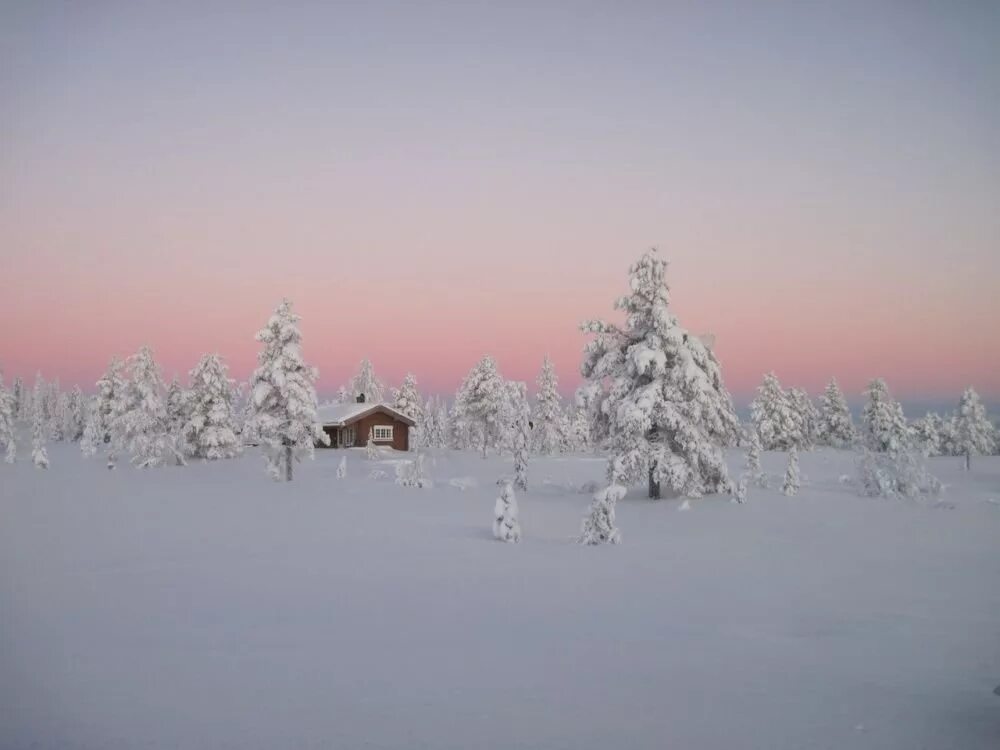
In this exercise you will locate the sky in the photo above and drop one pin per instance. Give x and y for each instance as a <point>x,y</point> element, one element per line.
<point>430,182</point>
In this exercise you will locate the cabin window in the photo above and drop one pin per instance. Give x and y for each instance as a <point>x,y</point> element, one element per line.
<point>348,436</point>
<point>383,432</point>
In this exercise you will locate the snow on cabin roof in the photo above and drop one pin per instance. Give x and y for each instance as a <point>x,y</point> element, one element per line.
<point>339,414</point>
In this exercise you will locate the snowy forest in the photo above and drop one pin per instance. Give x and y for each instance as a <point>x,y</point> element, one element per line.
<point>653,404</point>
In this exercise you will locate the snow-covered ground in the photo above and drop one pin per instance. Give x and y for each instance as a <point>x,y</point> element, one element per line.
<point>211,607</point>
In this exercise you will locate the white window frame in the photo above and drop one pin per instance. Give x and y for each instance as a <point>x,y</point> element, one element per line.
<point>382,433</point>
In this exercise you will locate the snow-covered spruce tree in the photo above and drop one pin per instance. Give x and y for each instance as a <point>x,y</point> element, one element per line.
<point>208,429</point>
<point>413,473</point>
<point>459,435</point>
<point>407,399</point>
<point>740,489</point>
<point>39,399</point>
<point>60,414</point>
<point>75,415</point>
<point>549,425</point>
<point>753,468</point>
<point>506,526</point>
<point>808,416</point>
<point>239,409</point>
<point>283,395</point>
<point>515,397</point>
<point>793,479</point>
<point>589,399</point>
<point>8,426</point>
<point>39,427</point>
<point>775,417</point>
<point>949,436</point>
<point>577,433</point>
<point>178,407</point>
<point>366,384</point>
<point>668,412</point>
<point>110,388</point>
<point>52,406</point>
<point>141,423</point>
<point>481,403</point>
<point>891,463</point>
<point>883,426</point>
<point>433,430</point>
<point>599,525</point>
<point>835,427</point>
<point>444,423</point>
<point>18,392</point>
<point>521,437</point>
<point>974,433</point>
<point>371,450</point>
<point>927,432</point>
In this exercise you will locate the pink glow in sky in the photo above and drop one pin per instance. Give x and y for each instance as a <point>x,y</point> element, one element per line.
<point>429,187</point>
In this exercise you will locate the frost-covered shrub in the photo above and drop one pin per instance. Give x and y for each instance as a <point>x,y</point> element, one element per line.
<point>371,450</point>
<point>901,474</point>
<point>599,525</point>
<point>342,468</point>
<point>413,473</point>
<point>506,527</point>
<point>740,489</point>
<point>793,479</point>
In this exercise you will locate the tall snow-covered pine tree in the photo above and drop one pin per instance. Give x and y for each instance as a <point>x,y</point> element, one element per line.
<point>283,395</point>
<point>775,417</point>
<point>366,384</point>
<point>209,427</point>
<point>549,426</point>
<point>835,427</point>
<point>661,390</point>
<point>974,433</point>
<point>481,404</point>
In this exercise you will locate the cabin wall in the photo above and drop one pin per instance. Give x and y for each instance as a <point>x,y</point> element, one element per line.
<point>400,430</point>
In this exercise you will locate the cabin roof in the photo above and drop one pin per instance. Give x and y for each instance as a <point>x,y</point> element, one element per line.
<point>337,415</point>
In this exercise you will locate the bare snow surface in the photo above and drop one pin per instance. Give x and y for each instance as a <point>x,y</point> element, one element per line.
<point>208,607</point>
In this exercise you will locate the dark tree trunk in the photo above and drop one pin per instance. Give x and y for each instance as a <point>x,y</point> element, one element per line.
<point>968,460</point>
<point>288,463</point>
<point>654,485</point>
